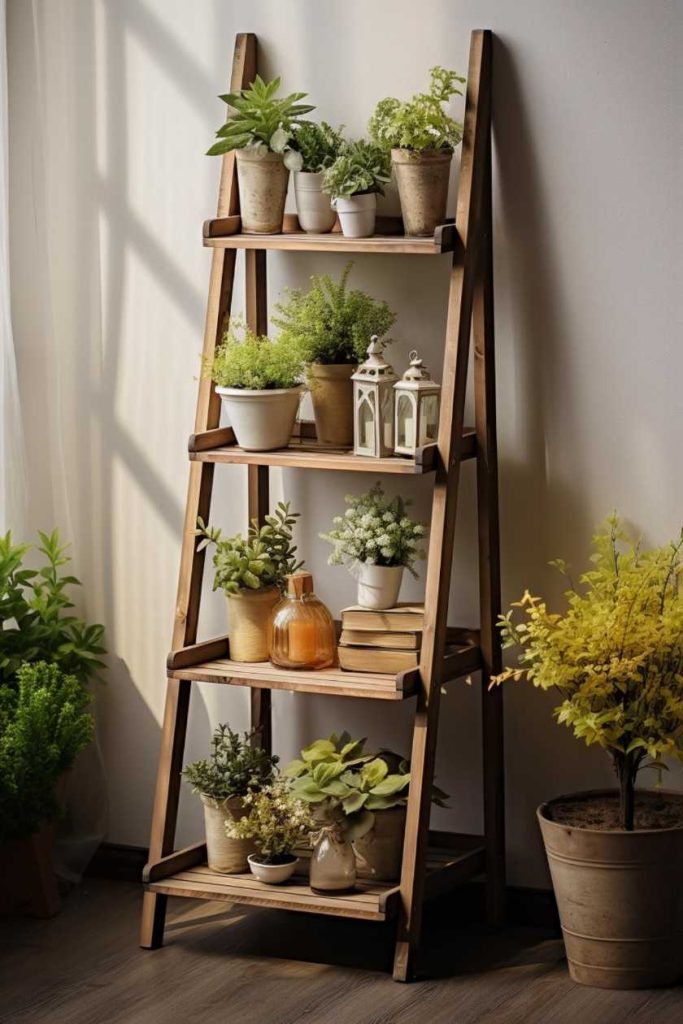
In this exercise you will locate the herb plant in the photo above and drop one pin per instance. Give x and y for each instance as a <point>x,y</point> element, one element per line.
<point>360,168</point>
<point>318,144</point>
<point>261,559</point>
<point>36,623</point>
<point>276,821</point>
<point>246,360</point>
<point>233,768</point>
<point>375,529</point>
<point>259,119</point>
<point>614,655</point>
<point>419,123</point>
<point>330,324</point>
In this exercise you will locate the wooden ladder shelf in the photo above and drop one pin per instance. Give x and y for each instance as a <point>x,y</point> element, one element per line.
<point>433,863</point>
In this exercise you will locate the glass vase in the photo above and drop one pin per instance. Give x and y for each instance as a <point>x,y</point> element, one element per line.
<point>303,632</point>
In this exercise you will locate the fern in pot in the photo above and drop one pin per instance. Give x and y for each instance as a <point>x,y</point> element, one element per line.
<point>421,137</point>
<point>260,130</point>
<point>330,325</point>
<point>318,146</point>
<point>354,180</point>
<point>235,768</point>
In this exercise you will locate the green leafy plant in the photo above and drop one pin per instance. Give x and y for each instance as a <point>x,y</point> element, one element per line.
<point>276,821</point>
<point>615,655</point>
<point>44,723</point>
<point>330,324</point>
<point>36,623</point>
<point>234,767</point>
<point>318,144</point>
<point>248,361</point>
<point>360,168</point>
<point>260,119</point>
<point>261,559</point>
<point>375,529</point>
<point>421,122</point>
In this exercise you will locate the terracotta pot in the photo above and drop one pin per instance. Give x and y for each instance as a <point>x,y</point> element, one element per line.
<point>250,613</point>
<point>379,853</point>
<point>422,179</point>
<point>331,390</point>
<point>620,898</point>
<point>378,585</point>
<point>313,206</point>
<point>262,179</point>
<point>226,855</point>
<point>262,420</point>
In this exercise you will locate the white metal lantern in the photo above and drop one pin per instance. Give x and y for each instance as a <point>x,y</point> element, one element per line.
<point>373,404</point>
<point>416,408</point>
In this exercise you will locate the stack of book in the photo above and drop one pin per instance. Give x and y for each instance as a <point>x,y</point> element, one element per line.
<point>386,641</point>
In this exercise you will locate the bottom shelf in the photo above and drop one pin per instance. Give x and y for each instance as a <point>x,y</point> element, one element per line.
<point>370,901</point>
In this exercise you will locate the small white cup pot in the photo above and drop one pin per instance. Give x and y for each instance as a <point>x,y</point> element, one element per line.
<point>272,874</point>
<point>262,420</point>
<point>357,215</point>
<point>313,206</point>
<point>378,585</point>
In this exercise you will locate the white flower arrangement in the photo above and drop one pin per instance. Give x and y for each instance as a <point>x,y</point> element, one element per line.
<point>276,820</point>
<point>376,530</point>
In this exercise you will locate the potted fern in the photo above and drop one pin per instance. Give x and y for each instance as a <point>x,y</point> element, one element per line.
<point>330,326</point>
<point>258,381</point>
<point>251,572</point>
<point>359,173</point>
<point>235,767</point>
<point>422,137</point>
<point>614,656</point>
<point>318,146</point>
<point>260,131</point>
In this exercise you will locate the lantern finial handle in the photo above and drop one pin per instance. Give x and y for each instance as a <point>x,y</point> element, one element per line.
<point>414,358</point>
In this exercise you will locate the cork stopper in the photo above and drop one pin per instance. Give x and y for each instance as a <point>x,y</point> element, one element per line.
<point>299,583</point>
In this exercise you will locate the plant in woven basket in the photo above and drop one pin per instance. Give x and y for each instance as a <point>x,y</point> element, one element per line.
<point>276,820</point>
<point>318,144</point>
<point>234,767</point>
<point>420,123</point>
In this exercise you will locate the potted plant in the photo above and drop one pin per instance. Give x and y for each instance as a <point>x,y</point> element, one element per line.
<point>330,326</point>
<point>614,655</point>
<point>276,822</point>
<point>259,384</point>
<point>361,170</point>
<point>234,768</point>
<point>251,572</point>
<point>376,540</point>
<point>260,131</point>
<point>422,138</point>
<point>318,146</point>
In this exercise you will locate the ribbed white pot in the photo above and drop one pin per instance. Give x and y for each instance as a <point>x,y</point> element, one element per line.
<point>357,215</point>
<point>273,874</point>
<point>262,420</point>
<point>313,206</point>
<point>378,585</point>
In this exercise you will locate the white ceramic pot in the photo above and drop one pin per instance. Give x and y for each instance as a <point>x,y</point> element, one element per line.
<point>262,420</point>
<point>357,215</point>
<point>378,585</point>
<point>273,874</point>
<point>313,206</point>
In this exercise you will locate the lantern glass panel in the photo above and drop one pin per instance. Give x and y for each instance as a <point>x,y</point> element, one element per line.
<point>405,421</point>
<point>387,416</point>
<point>429,419</point>
<point>366,420</point>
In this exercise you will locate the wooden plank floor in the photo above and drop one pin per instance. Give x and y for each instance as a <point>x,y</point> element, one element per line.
<point>250,966</point>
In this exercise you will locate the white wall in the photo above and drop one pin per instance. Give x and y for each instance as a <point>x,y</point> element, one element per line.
<point>109,188</point>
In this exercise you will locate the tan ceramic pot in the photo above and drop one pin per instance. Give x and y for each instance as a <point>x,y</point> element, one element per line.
<point>379,852</point>
<point>249,628</point>
<point>620,898</point>
<point>422,179</point>
<point>262,179</point>
<point>331,390</point>
<point>225,855</point>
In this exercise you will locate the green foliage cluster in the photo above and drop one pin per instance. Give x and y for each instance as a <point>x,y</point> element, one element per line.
<point>318,144</point>
<point>234,767</point>
<point>360,168</point>
<point>276,821</point>
<point>248,361</point>
<point>615,655</point>
<point>330,324</point>
<point>421,122</point>
<point>36,623</point>
<point>44,723</point>
<point>261,559</point>
<point>260,119</point>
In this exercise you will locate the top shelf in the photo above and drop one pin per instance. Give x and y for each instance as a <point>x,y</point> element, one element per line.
<point>226,233</point>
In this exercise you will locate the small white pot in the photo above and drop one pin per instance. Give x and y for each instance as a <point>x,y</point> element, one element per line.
<point>313,206</point>
<point>378,585</point>
<point>357,215</point>
<point>262,420</point>
<point>273,874</point>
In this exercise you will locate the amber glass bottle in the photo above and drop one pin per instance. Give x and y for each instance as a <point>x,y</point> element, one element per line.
<point>303,629</point>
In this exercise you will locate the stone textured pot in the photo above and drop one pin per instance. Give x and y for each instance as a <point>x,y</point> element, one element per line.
<point>620,898</point>
<point>272,874</point>
<point>313,206</point>
<point>379,852</point>
<point>378,585</point>
<point>357,215</point>
<point>249,627</point>
<point>262,179</point>
<point>422,180</point>
<point>331,390</point>
<point>262,420</point>
<point>225,855</point>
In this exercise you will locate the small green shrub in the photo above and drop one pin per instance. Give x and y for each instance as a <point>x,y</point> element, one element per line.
<point>421,122</point>
<point>318,144</point>
<point>360,168</point>
<point>234,767</point>
<point>246,360</point>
